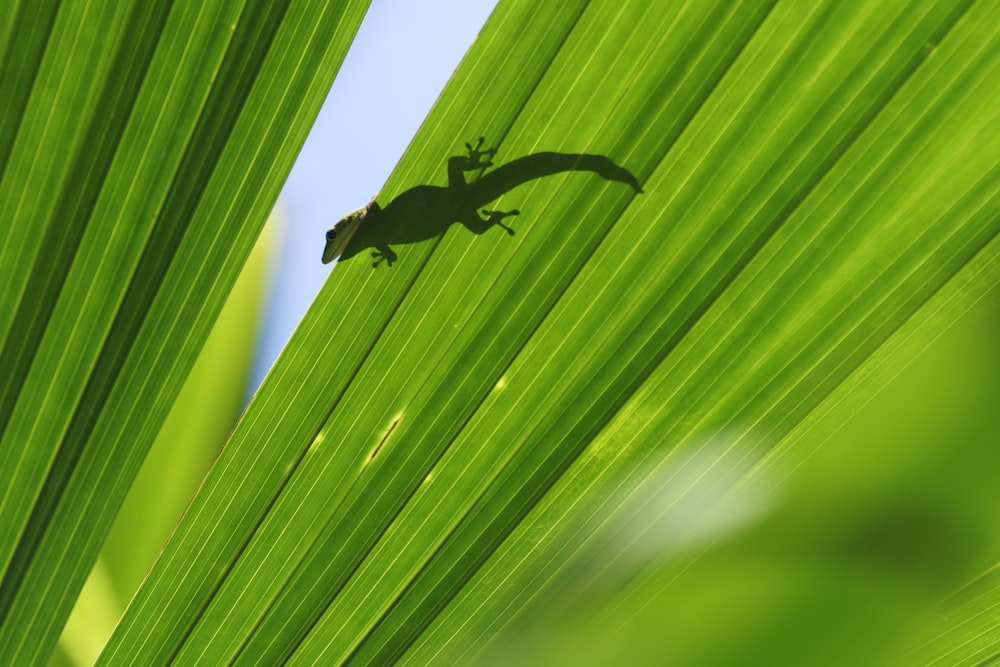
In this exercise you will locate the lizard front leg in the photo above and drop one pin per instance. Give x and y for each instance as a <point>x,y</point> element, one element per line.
<point>384,253</point>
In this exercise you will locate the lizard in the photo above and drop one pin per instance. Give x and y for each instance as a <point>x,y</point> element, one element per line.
<point>426,211</point>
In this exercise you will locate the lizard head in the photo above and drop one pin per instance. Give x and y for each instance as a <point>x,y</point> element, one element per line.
<point>338,236</point>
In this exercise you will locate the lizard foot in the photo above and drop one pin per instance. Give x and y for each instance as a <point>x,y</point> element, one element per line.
<point>384,254</point>
<point>496,218</point>
<point>476,155</point>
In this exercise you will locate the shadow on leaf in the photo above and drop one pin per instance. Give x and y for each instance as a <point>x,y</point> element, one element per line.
<point>426,211</point>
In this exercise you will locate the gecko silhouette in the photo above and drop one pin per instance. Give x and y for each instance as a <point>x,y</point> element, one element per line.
<point>426,211</point>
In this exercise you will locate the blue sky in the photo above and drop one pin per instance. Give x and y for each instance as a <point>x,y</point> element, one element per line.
<point>401,59</point>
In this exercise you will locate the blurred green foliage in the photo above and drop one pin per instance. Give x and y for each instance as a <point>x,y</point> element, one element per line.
<point>843,563</point>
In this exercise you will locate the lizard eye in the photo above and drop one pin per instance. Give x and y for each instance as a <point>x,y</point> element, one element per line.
<point>331,234</point>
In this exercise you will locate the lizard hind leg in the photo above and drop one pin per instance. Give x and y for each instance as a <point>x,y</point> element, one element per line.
<point>496,218</point>
<point>475,159</point>
<point>476,155</point>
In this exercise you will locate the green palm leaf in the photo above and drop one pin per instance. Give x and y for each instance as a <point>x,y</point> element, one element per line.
<point>806,188</point>
<point>814,180</point>
<point>142,146</point>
